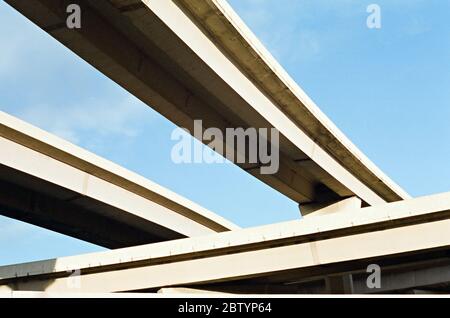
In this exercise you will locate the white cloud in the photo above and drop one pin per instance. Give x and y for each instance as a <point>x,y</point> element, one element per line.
<point>290,29</point>
<point>102,117</point>
<point>59,92</point>
<point>305,31</point>
<point>20,39</point>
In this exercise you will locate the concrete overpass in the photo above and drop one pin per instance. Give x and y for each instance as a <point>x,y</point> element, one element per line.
<point>54,184</point>
<point>192,59</point>
<point>196,60</point>
<point>408,239</point>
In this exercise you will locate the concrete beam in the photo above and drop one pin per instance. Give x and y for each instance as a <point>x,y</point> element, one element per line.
<point>253,263</point>
<point>31,294</point>
<point>349,204</point>
<point>113,228</point>
<point>52,183</point>
<point>233,36</point>
<point>416,226</point>
<point>159,53</point>
<point>189,291</point>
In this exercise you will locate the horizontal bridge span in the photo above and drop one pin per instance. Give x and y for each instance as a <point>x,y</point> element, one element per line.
<point>294,249</point>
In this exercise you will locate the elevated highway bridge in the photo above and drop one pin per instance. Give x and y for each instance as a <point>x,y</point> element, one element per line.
<point>196,60</point>
<point>192,60</point>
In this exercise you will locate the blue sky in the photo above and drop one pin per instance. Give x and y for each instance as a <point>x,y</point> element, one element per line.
<point>387,89</point>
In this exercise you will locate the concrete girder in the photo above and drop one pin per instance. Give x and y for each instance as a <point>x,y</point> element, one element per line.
<point>233,36</point>
<point>136,70</point>
<point>254,263</point>
<point>352,203</point>
<point>52,183</point>
<point>408,227</point>
<point>156,52</point>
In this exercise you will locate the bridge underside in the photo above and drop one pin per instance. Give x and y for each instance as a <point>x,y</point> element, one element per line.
<point>157,51</point>
<point>190,60</point>
<point>408,240</point>
<point>54,184</point>
<point>41,203</point>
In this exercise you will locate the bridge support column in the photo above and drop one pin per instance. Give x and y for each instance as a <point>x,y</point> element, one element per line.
<point>342,284</point>
<point>347,204</point>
